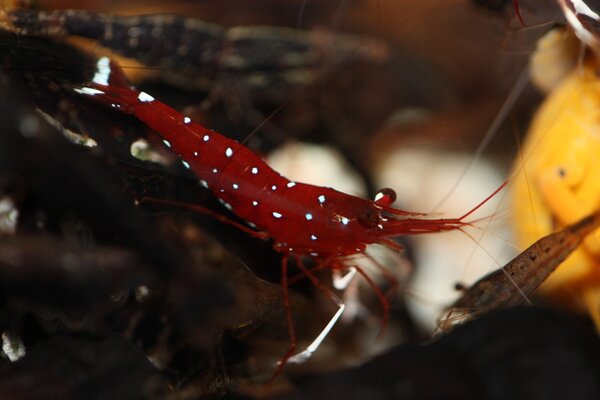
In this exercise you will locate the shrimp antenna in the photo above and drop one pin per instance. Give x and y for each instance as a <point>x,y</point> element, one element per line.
<point>501,267</point>
<point>478,206</point>
<point>266,119</point>
<point>337,17</point>
<point>509,102</point>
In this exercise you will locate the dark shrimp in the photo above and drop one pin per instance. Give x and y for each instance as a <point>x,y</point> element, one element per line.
<point>198,52</point>
<point>511,285</point>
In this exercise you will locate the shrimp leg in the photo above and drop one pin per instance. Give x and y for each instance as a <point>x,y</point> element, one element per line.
<point>305,354</point>
<point>204,210</point>
<point>288,317</point>
<point>509,285</point>
<point>385,304</point>
<point>341,282</point>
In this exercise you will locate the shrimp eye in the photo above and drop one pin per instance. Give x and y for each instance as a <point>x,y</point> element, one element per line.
<point>369,217</point>
<point>385,197</point>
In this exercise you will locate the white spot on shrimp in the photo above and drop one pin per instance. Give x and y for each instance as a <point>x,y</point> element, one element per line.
<point>254,203</point>
<point>204,183</point>
<point>145,97</point>
<point>345,221</point>
<point>215,170</point>
<point>314,254</point>
<point>167,143</point>
<point>185,164</point>
<point>321,199</point>
<point>229,152</point>
<point>250,224</point>
<point>274,187</point>
<point>88,91</point>
<point>187,120</point>
<point>235,186</point>
<point>225,204</point>
<point>254,170</point>
<point>313,237</point>
<point>205,138</point>
<point>277,215</point>
<point>222,190</point>
<point>102,71</point>
<point>195,154</point>
<point>308,216</point>
<point>291,184</point>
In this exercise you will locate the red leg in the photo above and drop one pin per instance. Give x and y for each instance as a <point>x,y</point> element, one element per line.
<point>315,281</point>
<point>288,316</point>
<point>321,265</point>
<point>307,353</point>
<point>385,304</point>
<point>391,279</point>
<point>383,298</point>
<point>217,216</point>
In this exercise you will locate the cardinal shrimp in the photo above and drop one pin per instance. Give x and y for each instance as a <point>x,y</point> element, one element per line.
<point>304,222</point>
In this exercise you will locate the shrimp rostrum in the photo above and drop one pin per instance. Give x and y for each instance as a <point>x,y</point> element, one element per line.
<point>302,220</point>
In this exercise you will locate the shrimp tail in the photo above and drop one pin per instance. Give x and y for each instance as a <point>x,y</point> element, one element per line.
<point>114,97</point>
<point>110,86</point>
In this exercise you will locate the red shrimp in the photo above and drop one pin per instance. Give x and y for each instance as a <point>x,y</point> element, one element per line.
<point>301,219</point>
